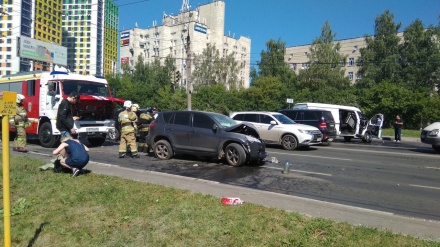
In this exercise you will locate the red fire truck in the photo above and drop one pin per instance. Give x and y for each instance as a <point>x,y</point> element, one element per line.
<point>44,92</point>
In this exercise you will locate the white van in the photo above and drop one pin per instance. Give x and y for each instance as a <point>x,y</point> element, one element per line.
<point>349,121</point>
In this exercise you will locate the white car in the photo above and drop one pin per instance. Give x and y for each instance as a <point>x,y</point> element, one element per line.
<point>431,135</point>
<point>277,128</point>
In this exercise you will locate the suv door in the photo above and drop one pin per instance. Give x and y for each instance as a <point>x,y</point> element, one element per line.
<point>203,137</point>
<point>178,130</point>
<point>262,124</point>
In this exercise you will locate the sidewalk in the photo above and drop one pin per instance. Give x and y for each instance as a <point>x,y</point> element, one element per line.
<point>356,216</point>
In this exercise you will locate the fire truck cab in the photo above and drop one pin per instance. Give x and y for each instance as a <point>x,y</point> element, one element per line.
<point>44,92</point>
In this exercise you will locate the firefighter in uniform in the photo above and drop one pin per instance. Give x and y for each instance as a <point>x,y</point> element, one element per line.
<point>145,119</point>
<point>127,120</point>
<point>20,122</point>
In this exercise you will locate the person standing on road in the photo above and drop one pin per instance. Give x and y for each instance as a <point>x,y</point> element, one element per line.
<point>127,120</point>
<point>19,121</point>
<point>65,118</point>
<point>72,154</point>
<point>398,129</point>
<point>145,119</point>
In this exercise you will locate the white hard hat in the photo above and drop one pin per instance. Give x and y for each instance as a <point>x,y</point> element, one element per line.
<point>20,97</point>
<point>127,104</point>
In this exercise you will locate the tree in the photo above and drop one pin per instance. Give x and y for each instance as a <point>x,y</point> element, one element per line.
<point>420,54</point>
<point>272,63</point>
<point>265,95</point>
<point>324,70</point>
<point>380,59</point>
<point>211,69</point>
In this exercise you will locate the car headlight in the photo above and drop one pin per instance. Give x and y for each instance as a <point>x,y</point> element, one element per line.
<point>433,132</point>
<point>310,132</point>
<point>252,139</point>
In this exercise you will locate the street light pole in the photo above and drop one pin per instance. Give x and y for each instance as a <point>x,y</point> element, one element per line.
<point>188,70</point>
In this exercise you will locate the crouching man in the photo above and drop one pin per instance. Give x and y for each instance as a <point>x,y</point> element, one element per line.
<point>72,154</point>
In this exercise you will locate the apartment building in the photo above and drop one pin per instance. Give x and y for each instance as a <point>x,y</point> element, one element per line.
<point>296,56</point>
<point>38,19</point>
<point>203,25</point>
<point>90,35</point>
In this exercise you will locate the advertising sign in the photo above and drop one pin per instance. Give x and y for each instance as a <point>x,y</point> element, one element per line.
<point>42,51</point>
<point>200,29</point>
<point>125,35</point>
<point>124,60</point>
<point>125,42</point>
<point>125,38</point>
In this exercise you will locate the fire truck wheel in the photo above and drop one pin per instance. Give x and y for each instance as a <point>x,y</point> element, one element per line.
<point>46,137</point>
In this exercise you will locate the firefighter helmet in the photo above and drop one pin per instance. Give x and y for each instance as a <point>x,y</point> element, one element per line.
<point>20,97</point>
<point>127,104</point>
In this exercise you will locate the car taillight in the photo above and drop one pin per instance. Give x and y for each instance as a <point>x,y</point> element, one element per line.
<point>323,125</point>
<point>153,124</point>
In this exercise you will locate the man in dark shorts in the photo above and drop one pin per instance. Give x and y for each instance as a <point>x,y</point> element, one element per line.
<point>74,154</point>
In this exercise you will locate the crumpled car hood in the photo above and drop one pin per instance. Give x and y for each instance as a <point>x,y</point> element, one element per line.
<point>244,128</point>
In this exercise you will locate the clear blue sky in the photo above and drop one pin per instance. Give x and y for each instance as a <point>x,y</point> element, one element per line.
<point>295,22</point>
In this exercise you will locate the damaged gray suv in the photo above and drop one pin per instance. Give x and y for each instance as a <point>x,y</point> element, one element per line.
<point>205,134</point>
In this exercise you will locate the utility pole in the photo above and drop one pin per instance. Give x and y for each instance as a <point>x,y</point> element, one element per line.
<point>188,70</point>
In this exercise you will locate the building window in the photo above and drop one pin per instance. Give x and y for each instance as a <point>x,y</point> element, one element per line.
<point>350,76</point>
<point>304,66</point>
<point>351,62</point>
<point>358,76</point>
<point>294,66</point>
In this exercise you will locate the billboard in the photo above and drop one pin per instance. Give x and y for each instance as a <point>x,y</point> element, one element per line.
<point>125,38</point>
<point>124,60</point>
<point>42,51</point>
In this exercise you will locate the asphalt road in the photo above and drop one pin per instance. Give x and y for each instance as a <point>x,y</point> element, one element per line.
<point>397,182</point>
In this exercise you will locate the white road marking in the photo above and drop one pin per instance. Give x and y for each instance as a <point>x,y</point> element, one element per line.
<point>292,170</point>
<point>384,152</point>
<point>422,186</point>
<point>312,156</point>
<point>435,168</point>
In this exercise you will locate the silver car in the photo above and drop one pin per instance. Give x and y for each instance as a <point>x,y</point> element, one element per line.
<point>277,128</point>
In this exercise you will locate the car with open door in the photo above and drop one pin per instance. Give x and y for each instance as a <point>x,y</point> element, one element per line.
<point>372,128</point>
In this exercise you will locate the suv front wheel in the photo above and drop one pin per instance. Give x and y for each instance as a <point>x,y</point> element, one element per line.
<point>235,155</point>
<point>162,150</point>
<point>289,142</point>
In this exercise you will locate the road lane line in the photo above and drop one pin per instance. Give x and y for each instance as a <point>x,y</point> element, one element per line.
<point>422,186</point>
<point>312,156</point>
<point>427,155</point>
<point>292,170</point>
<point>435,168</point>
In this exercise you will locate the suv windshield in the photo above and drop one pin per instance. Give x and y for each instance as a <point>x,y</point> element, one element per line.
<point>223,120</point>
<point>283,119</point>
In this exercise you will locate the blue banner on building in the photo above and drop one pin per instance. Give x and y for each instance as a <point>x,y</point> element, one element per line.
<point>200,29</point>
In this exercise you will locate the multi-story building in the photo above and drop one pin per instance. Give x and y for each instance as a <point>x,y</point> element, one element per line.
<point>111,24</point>
<point>296,56</point>
<point>39,19</point>
<point>85,26</point>
<point>202,26</point>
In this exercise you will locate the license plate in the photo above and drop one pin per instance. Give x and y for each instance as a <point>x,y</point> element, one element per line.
<point>318,139</point>
<point>92,129</point>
